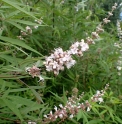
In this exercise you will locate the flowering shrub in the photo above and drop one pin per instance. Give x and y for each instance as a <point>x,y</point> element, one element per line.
<point>52,51</point>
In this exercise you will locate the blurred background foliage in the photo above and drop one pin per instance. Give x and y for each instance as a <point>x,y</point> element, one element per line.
<point>60,23</point>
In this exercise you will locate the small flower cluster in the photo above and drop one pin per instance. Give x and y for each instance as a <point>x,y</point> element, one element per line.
<point>99,29</point>
<point>25,33</point>
<point>106,20</point>
<point>78,48</point>
<point>119,65</point>
<point>34,72</point>
<point>62,2</point>
<point>73,106</point>
<point>57,60</point>
<point>114,7</point>
<point>119,46</point>
<point>98,96</point>
<point>119,31</point>
<point>29,30</point>
<point>31,122</point>
<point>60,59</point>
<point>39,22</point>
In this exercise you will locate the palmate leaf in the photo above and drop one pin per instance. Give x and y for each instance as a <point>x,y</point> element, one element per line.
<point>10,59</point>
<point>22,101</point>
<point>82,114</point>
<point>32,107</point>
<point>95,121</point>
<point>32,88</point>
<point>79,115</point>
<point>29,105</point>
<point>4,84</point>
<point>18,43</point>
<point>13,107</point>
<point>58,98</point>
<point>21,89</point>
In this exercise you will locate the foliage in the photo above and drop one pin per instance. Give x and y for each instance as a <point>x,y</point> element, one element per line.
<point>31,30</point>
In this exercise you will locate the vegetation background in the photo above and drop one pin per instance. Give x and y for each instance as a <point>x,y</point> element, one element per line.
<point>54,24</point>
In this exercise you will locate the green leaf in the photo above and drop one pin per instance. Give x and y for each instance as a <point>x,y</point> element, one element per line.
<point>14,90</point>
<point>7,76</point>
<point>74,121</point>
<point>79,115</point>
<point>9,58</point>
<point>6,52</point>
<point>17,25</point>
<point>20,100</point>
<point>26,22</point>
<point>4,83</point>
<point>18,8</point>
<point>118,120</point>
<point>18,43</point>
<point>37,95</point>
<point>32,107</point>
<point>111,112</point>
<point>58,98</point>
<point>95,110</point>
<point>103,112</point>
<point>82,114</point>
<point>96,121</point>
<point>12,14</point>
<point>13,107</point>
<point>85,116</point>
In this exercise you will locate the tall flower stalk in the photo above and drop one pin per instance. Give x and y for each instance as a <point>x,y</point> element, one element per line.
<point>73,105</point>
<point>60,59</point>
